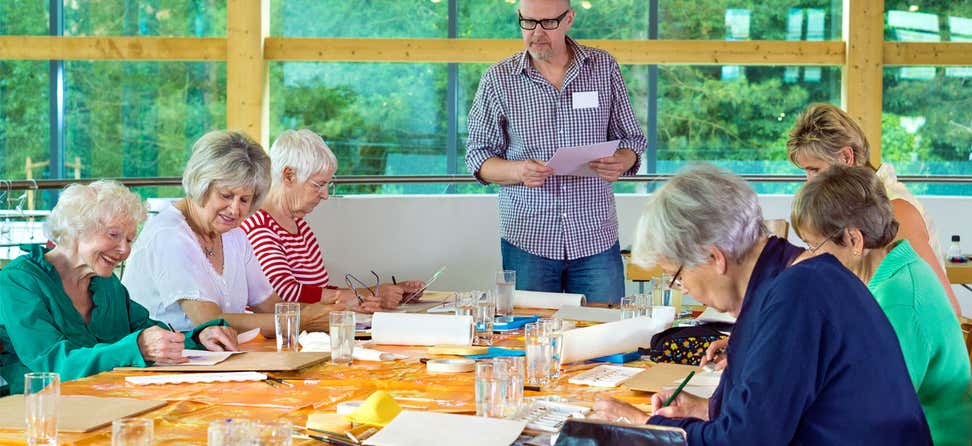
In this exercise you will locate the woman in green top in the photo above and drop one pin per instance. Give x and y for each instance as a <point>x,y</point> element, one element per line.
<point>844,211</point>
<point>63,310</point>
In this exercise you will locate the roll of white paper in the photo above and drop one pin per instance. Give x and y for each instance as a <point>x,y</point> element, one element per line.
<point>581,344</point>
<point>421,329</point>
<point>553,301</point>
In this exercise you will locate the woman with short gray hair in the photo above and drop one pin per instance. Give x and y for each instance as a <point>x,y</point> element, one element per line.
<point>63,310</point>
<point>193,263</point>
<point>302,168</point>
<point>845,212</point>
<point>806,336</point>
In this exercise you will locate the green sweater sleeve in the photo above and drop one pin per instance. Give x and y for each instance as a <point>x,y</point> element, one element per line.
<point>44,341</point>
<point>914,344</point>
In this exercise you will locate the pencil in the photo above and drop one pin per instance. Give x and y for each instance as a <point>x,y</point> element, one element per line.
<point>679,389</point>
<point>171,328</point>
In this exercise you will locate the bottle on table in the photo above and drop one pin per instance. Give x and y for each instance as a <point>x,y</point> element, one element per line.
<point>955,251</point>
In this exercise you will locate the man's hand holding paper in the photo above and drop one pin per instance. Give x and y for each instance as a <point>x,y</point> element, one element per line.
<point>600,160</point>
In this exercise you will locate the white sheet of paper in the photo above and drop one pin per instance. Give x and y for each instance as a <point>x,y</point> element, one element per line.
<point>591,314</point>
<point>701,385</point>
<point>712,315</point>
<point>247,336</point>
<point>584,99</point>
<point>626,335</point>
<point>411,427</point>
<point>179,378</point>
<point>573,160</point>
<point>553,301</point>
<point>204,357</point>
<point>420,329</point>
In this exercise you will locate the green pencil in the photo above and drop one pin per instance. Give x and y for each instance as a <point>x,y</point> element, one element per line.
<point>679,389</point>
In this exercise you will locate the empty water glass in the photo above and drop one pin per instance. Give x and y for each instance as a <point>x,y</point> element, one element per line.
<point>42,392</point>
<point>274,433</point>
<point>629,307</point>
<point>505,284</point>
<point>132,432</point>
<point>485,314</point>
<point>286,318</point>
<point>492,381</point>
<point>539,353</point>
<point>231,432</point>
<point>342,336</point>
<point>643,302</point>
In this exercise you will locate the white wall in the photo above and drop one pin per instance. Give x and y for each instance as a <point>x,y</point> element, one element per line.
<point>411,236</point>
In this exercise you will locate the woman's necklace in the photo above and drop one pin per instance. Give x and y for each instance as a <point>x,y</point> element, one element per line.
<point>208,249</point>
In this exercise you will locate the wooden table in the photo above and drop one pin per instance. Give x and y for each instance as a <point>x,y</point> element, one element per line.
<point>959,273</point>
<point>191,407</point>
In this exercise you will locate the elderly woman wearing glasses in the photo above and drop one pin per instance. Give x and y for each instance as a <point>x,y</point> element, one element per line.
<point>302,168</point>
<point>192,262</point>
<point>63,310</point>
<point>845,212</point>
<point>813,360</point>
<point>824,136</point>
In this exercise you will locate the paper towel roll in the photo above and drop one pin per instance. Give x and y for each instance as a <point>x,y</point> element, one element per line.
<point>421,329</point>
<point>623,336</point>
<point>553,301</point>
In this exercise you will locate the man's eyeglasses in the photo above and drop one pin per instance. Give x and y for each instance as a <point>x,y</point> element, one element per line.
<point>813,250</point>
<point>677,278</point>
<point>547,24</point>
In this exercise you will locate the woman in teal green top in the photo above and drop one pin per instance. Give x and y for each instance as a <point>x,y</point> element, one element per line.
<point>63,310</point>
<point>845,212</point>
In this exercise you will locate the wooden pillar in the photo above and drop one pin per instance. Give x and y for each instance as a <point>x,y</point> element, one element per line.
<point>247,92</point>
<point>862,80</point>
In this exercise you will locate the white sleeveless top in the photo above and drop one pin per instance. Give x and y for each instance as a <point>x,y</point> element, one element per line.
<point>168,265</point>
<point>896,190</point>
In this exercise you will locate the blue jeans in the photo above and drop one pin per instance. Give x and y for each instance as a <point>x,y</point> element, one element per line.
<point>600,277</point>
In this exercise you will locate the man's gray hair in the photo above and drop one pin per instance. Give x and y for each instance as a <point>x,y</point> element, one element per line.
<point>301,150</point>
<point>700,207</point>
<point>82,208</point>
<point>231,159</point>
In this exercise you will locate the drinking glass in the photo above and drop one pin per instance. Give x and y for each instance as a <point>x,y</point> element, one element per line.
<point>231,432</point>
<point>132,432</point>
<point>505,284</point>
<point>629,307</point>
<point>538,354</point>
<point>286,318</point>
<point>492,381</point>
<point>643,302</point>
<point>554,328</point>
<point>516,372</point>
<point>42,392</point>
<point>274,433</point>
<point>342,336</point>
<point>485,314</point>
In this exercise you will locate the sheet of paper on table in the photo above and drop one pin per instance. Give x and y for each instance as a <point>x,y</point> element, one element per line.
<point>712,315</point>
<point>180,378</point>
<point>204,357</point>
<point>411,427</point>
<point>247,336</point>
<point>573,160</point>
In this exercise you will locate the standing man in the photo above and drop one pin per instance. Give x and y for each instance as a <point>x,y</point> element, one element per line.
<point>560,233</point>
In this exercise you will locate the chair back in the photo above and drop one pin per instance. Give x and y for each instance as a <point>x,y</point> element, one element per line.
<point>967,334</point>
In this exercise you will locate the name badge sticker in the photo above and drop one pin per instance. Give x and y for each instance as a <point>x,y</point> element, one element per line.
<point>585,99</point>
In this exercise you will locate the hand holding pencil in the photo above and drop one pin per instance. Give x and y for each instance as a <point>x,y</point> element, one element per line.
<point>679,404</point>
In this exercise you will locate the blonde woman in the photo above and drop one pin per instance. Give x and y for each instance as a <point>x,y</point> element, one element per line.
<point>824,136</point>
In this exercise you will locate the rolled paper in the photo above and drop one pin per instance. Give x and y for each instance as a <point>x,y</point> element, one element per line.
<point>666,315</point>
<point>581,344</point>
<point>553,301</point>
<point>591,314</point>
<point>421,329</point>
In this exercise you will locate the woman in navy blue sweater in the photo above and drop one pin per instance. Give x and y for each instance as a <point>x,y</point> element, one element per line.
<point>812,358</point>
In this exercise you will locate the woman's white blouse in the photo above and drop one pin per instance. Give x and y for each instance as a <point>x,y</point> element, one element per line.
<point>168,265</point>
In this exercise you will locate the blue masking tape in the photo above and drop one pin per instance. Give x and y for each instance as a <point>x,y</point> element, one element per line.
<point>496,352</point>
<point>619,358</point>
<point>517,323</point>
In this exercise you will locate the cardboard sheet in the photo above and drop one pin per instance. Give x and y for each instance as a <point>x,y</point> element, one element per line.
<point>77,413</point>
<point>245,362</point>
<point>411,427</point>
<point>661,376</point>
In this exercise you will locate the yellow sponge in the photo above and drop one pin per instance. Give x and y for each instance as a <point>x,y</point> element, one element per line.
<point>378,410</point>
<point>457,350</point>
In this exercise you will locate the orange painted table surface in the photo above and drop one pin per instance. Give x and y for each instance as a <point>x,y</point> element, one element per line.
<point>191,407</point>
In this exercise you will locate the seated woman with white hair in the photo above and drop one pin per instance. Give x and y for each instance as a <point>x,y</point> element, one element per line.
<point>192,262</point>
<point>812,358</point>
<point>302,168</point>
<point>63,310</point>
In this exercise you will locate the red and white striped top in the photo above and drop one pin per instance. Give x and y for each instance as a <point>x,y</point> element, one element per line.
<point>292,262</point>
